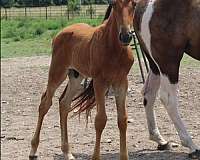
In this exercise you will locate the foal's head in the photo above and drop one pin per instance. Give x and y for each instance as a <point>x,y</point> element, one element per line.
<point>123,11</point>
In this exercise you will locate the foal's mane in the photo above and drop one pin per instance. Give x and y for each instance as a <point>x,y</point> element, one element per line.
<point>108,11</point>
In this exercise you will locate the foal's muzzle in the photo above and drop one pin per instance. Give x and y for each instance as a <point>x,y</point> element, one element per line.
<point>125,38</point>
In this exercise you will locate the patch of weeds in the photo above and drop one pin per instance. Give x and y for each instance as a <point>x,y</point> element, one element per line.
<point>39,31</point>
<point>21,24</point>
<point>9,33</point>
<point>16,39</point>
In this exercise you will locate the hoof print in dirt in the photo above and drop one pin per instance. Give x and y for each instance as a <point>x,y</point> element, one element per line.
<point>163,147</point>
<point>195,155</point>
<point>32,157</point>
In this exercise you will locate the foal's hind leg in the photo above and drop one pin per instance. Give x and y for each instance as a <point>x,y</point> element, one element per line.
<point>100,120</point>
<point>56,77</point>
<point>73,87</point>
<point>120,90</point>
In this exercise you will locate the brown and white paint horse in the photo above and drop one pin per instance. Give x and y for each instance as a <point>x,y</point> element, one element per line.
<point>101,53</point>
<point>167,29</point>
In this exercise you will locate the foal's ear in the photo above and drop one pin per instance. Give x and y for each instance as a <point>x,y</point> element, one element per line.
<point>111,2</point>
<point>136,1</point>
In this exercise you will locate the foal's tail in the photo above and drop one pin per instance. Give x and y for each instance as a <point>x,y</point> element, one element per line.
<point>85,101</point>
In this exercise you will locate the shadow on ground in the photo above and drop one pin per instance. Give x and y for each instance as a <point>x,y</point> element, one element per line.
<point>138,155</point>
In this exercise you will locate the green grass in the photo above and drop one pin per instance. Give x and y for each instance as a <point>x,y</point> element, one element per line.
<point>188,61</point>
<point>32,37</point>
<point>28,37</point>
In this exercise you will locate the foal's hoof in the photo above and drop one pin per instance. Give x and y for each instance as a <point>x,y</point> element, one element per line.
<point>33,157</point>
<point>69,156</point>
<point>163,147</point>
<point>195,155</point>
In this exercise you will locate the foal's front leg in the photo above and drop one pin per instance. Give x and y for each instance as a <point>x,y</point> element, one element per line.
<point>120,90</point>
<point>101,118</point>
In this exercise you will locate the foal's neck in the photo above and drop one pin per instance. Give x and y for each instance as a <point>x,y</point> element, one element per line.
<point>112,33</point>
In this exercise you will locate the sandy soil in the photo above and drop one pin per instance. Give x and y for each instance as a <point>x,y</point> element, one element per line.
<point>24,79</point>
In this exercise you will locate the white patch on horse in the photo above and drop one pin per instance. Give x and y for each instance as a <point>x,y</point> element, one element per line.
<point>145,27</point>
<point>151,86</point>
<point>169,97</point>
<point>166,90</point>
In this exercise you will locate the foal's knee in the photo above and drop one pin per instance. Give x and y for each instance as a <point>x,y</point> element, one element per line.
<point>122,122</point>
<point>100,122</point>
<point>44,104</point>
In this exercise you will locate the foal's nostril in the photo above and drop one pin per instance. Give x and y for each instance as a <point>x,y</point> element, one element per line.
<point>125,38</point>
<point>121,37</point>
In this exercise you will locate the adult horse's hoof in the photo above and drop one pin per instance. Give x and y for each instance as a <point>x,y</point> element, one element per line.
<point>163,147</point>
<point>195,155</point>
<point>33,157</point>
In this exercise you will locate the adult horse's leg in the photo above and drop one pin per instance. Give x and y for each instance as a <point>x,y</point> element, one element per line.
<point>149,92</point>
<point>100,120</point>
<point>56,76</point>
<point>120,91</point>
<point>150,89</point>
<point>73,87</point>
<point>169,91</point>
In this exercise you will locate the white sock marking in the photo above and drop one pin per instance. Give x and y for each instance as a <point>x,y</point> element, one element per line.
<point>169,97</point>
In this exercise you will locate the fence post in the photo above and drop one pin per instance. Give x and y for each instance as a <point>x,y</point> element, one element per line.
<point>91,10</point>
<point>6,14</point>
<point>61,11</point>
<point>25,12</point>
<point>46,13</point>
<point>50,11</point>
<point>68,12</point>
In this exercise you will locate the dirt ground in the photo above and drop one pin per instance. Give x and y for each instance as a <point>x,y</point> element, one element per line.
<point>24,79</point>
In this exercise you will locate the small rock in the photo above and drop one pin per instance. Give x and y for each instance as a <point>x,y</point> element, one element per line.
<point>56,126</point>
<point>109,141</point>
<point>14,138</point>
<point>2,136</point>
<point>174,145</point>
<point>4,102</point>
<point>135,145</point>
<point>130,120</point>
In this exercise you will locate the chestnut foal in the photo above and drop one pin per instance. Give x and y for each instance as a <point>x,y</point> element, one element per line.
<point>101,53</point>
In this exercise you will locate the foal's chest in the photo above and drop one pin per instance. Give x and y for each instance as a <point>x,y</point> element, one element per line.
<point>117,65</point>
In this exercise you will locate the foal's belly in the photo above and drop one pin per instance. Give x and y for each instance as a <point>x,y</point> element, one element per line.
<point>81,59</point>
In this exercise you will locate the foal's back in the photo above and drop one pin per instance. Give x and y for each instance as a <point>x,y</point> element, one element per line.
<point>71,46</point>
<point>73,36</point>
